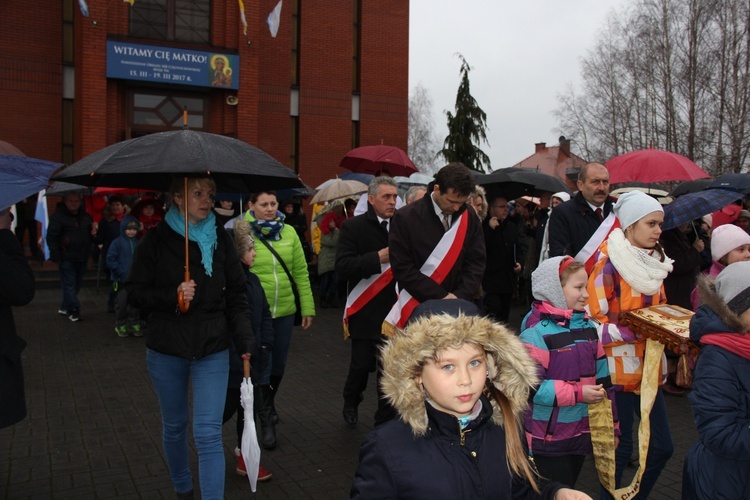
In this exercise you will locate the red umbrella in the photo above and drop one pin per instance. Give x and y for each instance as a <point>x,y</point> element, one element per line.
<point>376,159</point>
<point>653,165</point>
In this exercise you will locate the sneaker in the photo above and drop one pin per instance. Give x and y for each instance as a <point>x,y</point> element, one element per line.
<point>121,331</point>
<point>74,315</point>
<point>137,331</point>
<point>263,474</point>
<point>63,312</point>
<point>241,470</point>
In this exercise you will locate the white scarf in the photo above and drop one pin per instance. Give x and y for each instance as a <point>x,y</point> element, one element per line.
<point>642,272</point>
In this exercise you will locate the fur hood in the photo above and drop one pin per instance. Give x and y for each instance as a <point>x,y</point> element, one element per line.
<point>510,367</point>
<point>710,299</point>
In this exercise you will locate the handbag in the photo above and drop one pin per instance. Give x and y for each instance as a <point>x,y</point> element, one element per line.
<point>298,312</point>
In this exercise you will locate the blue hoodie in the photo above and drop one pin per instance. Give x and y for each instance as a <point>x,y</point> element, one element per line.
<point>120,253</point>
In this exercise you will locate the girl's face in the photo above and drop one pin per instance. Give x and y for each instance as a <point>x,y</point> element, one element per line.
<point>266,206</point>
<point>575,290</point>
<point>148,210</point>
<point>226,205</point>
<point>116,208</point>
<point>456,379</point>
<point>249,257</point>
<point>645,233</point>
<point>200,201</point>
<point>739,254</point>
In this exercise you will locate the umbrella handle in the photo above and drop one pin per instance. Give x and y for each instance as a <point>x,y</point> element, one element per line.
<point>246,367</point>
<point>184,306</point>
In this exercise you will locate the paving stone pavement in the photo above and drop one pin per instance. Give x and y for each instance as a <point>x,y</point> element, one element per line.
<point>94,430</point>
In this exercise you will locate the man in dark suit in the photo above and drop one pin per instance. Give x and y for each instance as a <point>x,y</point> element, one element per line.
<point>418,228</point>
<point>572,223</point>
<point>363,255</point>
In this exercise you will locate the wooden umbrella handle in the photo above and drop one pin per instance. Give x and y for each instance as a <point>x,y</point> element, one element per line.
<point>246,367</point>
<point>184,306</point>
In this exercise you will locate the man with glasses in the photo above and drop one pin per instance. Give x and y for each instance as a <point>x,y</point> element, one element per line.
<point>499,281</point>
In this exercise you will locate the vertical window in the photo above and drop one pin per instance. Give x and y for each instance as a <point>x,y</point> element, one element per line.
<point>68,60</point>
<point>177,20</point>
<point>295,43</point>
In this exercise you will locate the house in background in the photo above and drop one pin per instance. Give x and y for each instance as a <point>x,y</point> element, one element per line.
<point>557,161</point>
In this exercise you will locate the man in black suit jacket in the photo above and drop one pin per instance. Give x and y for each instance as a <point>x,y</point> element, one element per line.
<point>362,252</point>
<point>417,228</point>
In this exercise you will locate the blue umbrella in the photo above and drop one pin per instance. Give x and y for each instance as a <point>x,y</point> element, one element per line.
<point>21,177</point>
<point>691,206</point>
<point>733,182</point>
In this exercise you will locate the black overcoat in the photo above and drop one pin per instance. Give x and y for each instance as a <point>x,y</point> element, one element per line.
<point>572,224</point>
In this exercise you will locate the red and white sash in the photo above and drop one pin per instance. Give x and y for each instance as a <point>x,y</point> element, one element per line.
<point>364,291</point>
<point>438,265</point>
<point>588,252</point>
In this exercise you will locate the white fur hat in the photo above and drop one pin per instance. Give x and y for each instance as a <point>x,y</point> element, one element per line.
<point>633,206</point>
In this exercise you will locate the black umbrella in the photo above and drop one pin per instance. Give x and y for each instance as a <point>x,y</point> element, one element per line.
<point>542,182</point>
<point>499,183</point>
<point>690,187</point>
<point>739,183</point>
<point>150,162</point>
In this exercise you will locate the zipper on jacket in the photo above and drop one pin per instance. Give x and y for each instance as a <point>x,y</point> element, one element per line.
<point>462,433</point>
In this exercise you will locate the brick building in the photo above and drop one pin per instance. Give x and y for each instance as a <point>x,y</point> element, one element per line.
<point>335,76</point>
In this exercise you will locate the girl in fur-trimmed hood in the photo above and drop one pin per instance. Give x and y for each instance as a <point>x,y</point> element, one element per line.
<point>460,385</point>
<point>717,464</point>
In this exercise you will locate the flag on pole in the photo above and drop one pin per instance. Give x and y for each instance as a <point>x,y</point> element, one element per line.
<point>274,19</point>
<point>131,2</point>
<point>84,7</point>
<point>242,17</point>
<point>42,215</point>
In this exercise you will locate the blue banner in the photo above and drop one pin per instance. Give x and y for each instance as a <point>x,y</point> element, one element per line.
<point>152,63</point>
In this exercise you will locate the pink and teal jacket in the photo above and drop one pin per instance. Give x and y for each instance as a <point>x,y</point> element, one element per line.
<point>566,346</point>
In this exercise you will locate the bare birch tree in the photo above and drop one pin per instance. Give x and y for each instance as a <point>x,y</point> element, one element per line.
<point>424,143</point>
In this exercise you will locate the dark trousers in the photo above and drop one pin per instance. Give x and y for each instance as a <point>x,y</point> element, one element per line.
<point>71,278</point>
<point>660,447</point>
<point>365,360</point>
<point>497,306</point>
<point>23,225</point>
<point>561,469</point>
<point>125,314</point>
<point>328,284</point>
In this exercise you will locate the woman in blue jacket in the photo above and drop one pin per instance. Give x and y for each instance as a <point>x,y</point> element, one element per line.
<point>718,464</point>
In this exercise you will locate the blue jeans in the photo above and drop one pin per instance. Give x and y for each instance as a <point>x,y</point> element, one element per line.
<point>209,375</point>
<point>660,446</point>
<point>282,338</point>
<point>71,277</point>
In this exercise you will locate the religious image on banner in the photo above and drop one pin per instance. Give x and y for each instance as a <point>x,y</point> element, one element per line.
<point>221,72</point>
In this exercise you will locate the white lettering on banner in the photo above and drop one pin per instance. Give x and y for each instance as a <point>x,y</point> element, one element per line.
<point>132,51</point>
<point>185,57</point>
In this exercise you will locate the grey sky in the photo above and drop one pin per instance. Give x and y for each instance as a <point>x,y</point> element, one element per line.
<point>523,54</point>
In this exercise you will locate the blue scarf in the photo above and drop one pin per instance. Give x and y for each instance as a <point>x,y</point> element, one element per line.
<point>266,229</point>
<point>203,233</point>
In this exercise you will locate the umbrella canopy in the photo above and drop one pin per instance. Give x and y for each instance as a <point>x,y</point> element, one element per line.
<point>151,161</point>
<point>498,183</point>
<point>661,195</point>
<point>60,188</point>
<point>21,177</point>
<point>249,446</point>
<point>542,182</point>
<point>691,206</point>
<point>376,159</point>
<point>338,188</point>
<point>734,182</point>
<point>348,176</point>
<point>7,148</point>
<point>653,165</point>
<point>414,179</point>
<point>686,187</point>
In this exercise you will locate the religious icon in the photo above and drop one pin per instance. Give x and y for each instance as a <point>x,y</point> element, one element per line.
<point>221,72</point>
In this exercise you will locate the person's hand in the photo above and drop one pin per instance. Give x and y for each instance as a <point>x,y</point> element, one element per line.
<point>699,245</point>
<point>593,393</point>
<point>493,223</point>
<point>517,268</point>
<point>6,217</point>
<point>94,229</point>
<point>569,494</point>
<point>617,442</point>
<point>384,255</point>
<point>306,322</point>
<point>188,290</point>
<point>450,296</point>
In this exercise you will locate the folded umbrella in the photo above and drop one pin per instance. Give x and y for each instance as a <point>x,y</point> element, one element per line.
<point>692,206</point>
<point>249,446</point>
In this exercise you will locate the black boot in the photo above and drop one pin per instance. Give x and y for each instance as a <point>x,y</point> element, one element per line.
<point>275,382</point>
<point>267,427</point>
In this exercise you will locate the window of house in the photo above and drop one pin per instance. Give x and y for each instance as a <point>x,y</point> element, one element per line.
<point>154,111</point>
<point>178,20</point>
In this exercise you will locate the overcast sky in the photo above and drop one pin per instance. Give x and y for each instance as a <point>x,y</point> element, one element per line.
<point>523,54</point>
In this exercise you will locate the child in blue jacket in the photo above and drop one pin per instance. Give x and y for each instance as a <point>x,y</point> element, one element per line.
<point>119,257</point>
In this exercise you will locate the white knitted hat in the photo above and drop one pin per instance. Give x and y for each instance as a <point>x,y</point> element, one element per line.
<point>562,195</point>
<point>545,282</point>
<point>726,238</point>
<point>633,206</point>
<point>732,286</point>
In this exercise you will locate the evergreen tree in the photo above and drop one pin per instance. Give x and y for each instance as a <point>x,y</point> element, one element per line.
<point>466,129</point>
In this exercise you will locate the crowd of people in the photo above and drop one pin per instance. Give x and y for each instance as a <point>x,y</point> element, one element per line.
<point>429,281</point>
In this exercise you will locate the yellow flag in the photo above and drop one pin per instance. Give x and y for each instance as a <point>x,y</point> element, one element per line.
<point>242,17</point>
<point>131,2</point>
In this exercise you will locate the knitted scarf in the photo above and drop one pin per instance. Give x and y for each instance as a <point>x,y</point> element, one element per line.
<point>267,229</point>
<point>643,272</point>
<point>203,233</point>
